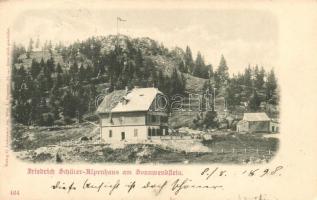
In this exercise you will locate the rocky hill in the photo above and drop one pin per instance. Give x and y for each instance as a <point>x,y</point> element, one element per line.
<point>163,59</point>
<point>59,84</point>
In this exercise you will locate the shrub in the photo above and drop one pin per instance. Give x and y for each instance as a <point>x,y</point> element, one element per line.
<point>68,120</point>
<point>59,122</point>
<point>47,119</point>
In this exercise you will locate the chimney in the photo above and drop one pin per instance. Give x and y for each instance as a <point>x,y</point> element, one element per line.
<point>125,101</point>
<point>126,89</point>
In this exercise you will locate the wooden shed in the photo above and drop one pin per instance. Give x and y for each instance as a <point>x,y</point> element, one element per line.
<point>254,122</point>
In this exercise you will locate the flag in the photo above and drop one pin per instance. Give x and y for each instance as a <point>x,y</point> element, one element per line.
<point>121,20</point>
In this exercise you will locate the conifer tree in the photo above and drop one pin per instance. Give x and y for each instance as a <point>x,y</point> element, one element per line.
<point>30,48</point>
<point>200,68</point>
<point>35,68</point>
<point>222,71</point>
<point>189,62</point>
<point>271,86</point>
<point>254,102</point>
<point>82,73</point>
<point>259,78</point>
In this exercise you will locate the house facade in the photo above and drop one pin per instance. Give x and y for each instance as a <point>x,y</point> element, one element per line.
<point>134,115</point>
<point>254,122</point>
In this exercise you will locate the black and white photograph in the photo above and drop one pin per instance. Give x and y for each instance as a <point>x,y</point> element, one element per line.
<point>145,86</point>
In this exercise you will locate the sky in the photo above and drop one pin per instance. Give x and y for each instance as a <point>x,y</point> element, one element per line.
<point>243,36</point>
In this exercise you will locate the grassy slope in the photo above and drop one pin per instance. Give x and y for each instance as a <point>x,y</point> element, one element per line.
<point>43,145</point>
<point>41,136</point>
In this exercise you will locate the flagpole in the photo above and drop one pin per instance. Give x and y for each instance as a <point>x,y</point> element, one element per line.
<point>117,26</point>
<point>121,20</point>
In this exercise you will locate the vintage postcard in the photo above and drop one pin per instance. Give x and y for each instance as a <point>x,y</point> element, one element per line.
<point>145,100</point>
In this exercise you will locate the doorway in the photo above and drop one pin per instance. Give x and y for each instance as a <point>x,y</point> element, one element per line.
<point>122,135</point>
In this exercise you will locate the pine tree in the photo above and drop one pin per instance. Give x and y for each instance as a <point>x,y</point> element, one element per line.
<point>30,48</point>
<point>189,62</point>
<point>247,77</point>
<point>181,67</point>
<point>69,103</point>
<point>259,78</point>
<point>89,73</point>
<point>209,119</point>
<point>177,84</point>
<point>254,102</point>
<point>50,66</point>
<point>271,86</point>
<point>35,101</point>
<point>222,71</point>
<point>43,84</point>
<point>74,71</point>
<point>247,82</point>
<point>200,68</point>
<point>35,68</point>
<point>59,69</point>
<point>82,73</point>
<point>82,99</point>
<point>120,83</point>
<point>92,96</point>
<point>161,81</point>
<point>135,80</point>
<point>59,77</point>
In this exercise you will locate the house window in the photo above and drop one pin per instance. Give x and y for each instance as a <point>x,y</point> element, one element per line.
<point>153,132</point>
<point>110,133</point>
<point>135,132</point>
<point>153,118</point>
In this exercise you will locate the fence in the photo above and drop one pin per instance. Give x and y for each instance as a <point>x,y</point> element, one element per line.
<point>171,137</point>
<point>242,151</point>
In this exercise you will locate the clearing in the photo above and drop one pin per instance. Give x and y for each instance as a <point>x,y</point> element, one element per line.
<point>80,143</point>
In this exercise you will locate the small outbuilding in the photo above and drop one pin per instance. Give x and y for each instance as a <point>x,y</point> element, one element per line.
<point>254,122</point>
<point>274,126</point>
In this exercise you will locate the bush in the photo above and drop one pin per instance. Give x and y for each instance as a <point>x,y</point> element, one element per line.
<point>47,119</point>
<point>43,157</point>
<point>59,122</point>
<point>69,120</point>
<point>58,158</point>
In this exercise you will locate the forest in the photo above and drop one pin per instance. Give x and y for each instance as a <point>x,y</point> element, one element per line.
<point>57,84</point>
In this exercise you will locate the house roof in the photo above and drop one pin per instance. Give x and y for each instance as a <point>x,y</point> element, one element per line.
<point>138,99</point>
<point>255,117</point>
<point>110,101</point>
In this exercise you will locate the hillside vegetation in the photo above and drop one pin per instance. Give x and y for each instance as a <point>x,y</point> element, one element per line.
<point>56,84</point>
